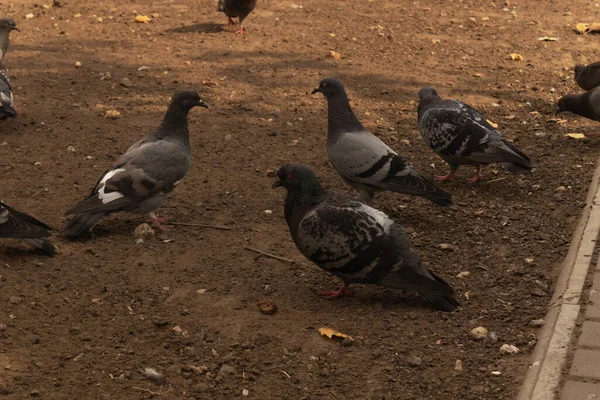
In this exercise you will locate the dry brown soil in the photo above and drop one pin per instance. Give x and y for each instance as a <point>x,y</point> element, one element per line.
<point>86,323</point>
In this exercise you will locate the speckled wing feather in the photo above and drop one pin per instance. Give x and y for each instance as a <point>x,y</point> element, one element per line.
<point>6,95</point>
<point>15,224</point>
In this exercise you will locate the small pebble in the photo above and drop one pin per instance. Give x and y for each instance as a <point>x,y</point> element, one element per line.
<point>77,64</point>
<point>478,333</point>
<point>509,349</point>
<point>446,247</point>
<point>458,365</point>
<point>245,392</point>
<point>537,323</point>
<point>463,274</point>
<point>496,373</point>
<point>414,361</point>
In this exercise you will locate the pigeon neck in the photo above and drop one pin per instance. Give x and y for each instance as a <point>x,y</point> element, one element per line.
<point>424,103</point>
<point>4,42</point>
<point>305,197</point>
<point>579,104</point>
<point>174,123</point>
<point>341,118</point>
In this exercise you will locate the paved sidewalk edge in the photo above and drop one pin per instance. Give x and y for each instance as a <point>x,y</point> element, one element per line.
<point>550,354</point>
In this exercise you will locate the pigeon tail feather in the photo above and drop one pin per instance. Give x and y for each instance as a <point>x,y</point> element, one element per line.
<point>43,244</point>
<point>82,223</point>
<point>442,303</point>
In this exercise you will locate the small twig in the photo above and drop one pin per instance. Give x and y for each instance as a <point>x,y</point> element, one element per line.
<point>6,165</point>
<point>496,180</point>
<point>150,391</point>
<point>286,374</point>
<point>225,228</point>
<point>269,255</point>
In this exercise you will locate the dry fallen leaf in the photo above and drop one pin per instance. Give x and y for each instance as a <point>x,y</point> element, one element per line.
<point>267,306</point>
<point>477,75</point>
<point>581,28</point>
<point>201,291</point>
<point>112,114</point>
<point>142,19</point>
<point>207,82</point>
<point>334,54</point>
<point>547,39</point>
<point>492,124</point>
<point>333,334</point>
<point>575,135</point>
<point>516,57</point>
<point>29,16</point>
<point>594,27</point>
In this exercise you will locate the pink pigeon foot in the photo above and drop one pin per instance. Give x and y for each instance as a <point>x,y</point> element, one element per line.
<point>157,222</point>
<point>336,294</point>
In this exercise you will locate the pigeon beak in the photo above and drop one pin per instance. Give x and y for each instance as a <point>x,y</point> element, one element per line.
<point>276,184</point>
<point>317,90</point>
<point>202,104</point>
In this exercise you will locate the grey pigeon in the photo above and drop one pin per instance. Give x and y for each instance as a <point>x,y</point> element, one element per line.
<point>587,77</point>
<point>363,160</point>
<point>142,178</point>
<point>585,104</point>
<point>6,96</point>
<point>236,8</point>
<point>354,241</point>
<point>15,224</point>
<point>460,135</point>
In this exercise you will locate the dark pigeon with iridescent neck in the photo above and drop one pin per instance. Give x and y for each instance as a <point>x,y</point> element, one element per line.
<point>363,160</point>
<point>461,136</point>
<point>354,241</point>
<point>142,178</point>
<point>18,225</point>
<point>585,104</point>
<point>7,110</point>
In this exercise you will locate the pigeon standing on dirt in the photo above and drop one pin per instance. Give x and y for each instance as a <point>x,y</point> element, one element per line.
<point>585,104</point>
<point>363,160</point>
<point>142,178</point>
<point>354,241</point>
<point>236,8</point>
<point>6,96</point>
<point>587,77</point>
<point>15,224</point>
<point>460,135</point>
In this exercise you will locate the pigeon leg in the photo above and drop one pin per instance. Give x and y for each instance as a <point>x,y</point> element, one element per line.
<point>336,294</point>
<point>241,30</point>
<point>157,222</point>
<point>448,177</point>
<point>478,176</point>
<point>231,23</point>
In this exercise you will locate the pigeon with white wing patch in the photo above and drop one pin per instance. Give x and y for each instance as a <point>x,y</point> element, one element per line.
<point>354,241</point>
<point>363,160</point>
<point>6,96</point>
<point>142,178</point>
<point>18,225</point>
<point>460,135</point>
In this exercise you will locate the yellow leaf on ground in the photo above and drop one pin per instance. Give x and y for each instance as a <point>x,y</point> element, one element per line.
<point>332,334</point>
<point>334,54</point>
<point>492,124</point>
<point>581,28</point>
<point>208,82</point>
<point>516,57</point>
<point>576,135</point>
<point>142,19</point>
<point>547,39</point>
<point>594,27</point>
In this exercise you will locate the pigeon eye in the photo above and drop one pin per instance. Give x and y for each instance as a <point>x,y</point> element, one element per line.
<point>289,176</point>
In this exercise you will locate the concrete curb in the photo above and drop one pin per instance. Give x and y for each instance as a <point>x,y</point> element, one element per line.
<point>550,354</point>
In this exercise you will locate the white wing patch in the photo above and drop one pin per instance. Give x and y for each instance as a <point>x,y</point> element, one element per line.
<point>112,196</point>
<point>7,99</point>
<point>379,217</point>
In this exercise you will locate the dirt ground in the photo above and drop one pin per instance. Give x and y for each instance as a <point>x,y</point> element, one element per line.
<point>86,323</point>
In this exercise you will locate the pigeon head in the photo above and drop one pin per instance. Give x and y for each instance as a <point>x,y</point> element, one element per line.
<point>188,99</point>
<point>330,87</point>
<point>293,177</point>
<point>427,95</point>
<point>8,24</point>
<point>570,102</point>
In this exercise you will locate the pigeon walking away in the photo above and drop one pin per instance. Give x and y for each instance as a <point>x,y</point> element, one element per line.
<point>587,77</point>
<point>142,178</point>
<point>460,135</point>
<point>363,160</point>
<point>236,8</point>
<point>6,96</point>
<point>354,241</point>
<point>15,224</point>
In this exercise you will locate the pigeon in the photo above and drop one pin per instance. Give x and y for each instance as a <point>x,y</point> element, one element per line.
<point>460,135</point>
<point>353,241</point>
<point>6,96</point>
<point>585,104</point>
<point>363,160</point>
<point>15,224</point>
<point>236,8</point>
<point>6,26</point>
<point>587,77</point>
<point>142,178</point>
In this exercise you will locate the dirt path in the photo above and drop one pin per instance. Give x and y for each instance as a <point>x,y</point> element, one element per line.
<point>86,323</point>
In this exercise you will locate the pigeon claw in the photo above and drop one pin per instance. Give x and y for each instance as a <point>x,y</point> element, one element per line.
<point>478,176</point>
<point>157,222</point>
<point>440,178</point>
<point>240,31</point>
<point>336,294</point>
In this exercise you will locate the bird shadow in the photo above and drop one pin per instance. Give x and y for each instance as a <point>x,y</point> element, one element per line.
<point>208,27</point>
